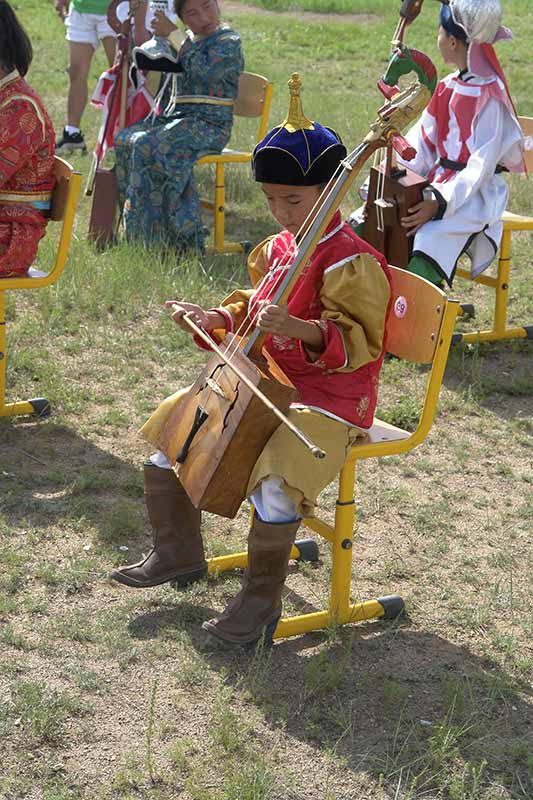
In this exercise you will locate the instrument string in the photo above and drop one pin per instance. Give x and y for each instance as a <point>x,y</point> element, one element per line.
<point>380,193</point>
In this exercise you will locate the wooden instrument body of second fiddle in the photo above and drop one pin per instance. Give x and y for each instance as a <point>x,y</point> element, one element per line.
<point>400,190</point>
<point>223,453</point>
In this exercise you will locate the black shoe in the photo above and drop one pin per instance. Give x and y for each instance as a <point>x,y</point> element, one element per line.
<point>69,142</point>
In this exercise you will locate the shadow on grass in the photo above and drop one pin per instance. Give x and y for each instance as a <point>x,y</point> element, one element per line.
<point>495,375</point>
<point>423,716</point>
<point>50,475</point>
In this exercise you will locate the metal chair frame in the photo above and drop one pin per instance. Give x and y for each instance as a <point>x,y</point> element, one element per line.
<point>64,201</point>
<point>500,283</point>
<point>420,330</point>
<point>257,105</point>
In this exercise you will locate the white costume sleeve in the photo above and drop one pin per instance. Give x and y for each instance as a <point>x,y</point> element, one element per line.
<point>423,137</point>
<point>485,153</point>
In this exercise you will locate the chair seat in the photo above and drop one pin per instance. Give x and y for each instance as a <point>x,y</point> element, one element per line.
<point>516,222</point>
<point>382,432</point>
<point>227,156</point>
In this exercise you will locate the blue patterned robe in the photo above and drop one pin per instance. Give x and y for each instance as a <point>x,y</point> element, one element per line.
<point>155,158</point>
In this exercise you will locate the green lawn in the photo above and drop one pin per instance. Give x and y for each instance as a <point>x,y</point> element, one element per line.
<point>109,694</point>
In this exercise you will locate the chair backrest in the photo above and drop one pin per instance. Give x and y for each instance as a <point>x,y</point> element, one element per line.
<point>64,201</point>
<point>253,99</point>
<point>526,123</point>
<point>415,318</point>
<point>62,176</point>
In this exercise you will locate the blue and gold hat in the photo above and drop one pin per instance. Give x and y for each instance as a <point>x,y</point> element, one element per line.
<point>298,152</point>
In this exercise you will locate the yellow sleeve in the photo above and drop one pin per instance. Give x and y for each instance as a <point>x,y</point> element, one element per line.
<point>355,296</point>
<point>236,303</point>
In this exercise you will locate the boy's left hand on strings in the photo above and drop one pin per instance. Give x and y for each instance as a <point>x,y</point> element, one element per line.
<point>277,320</point>
<point>418,215</point>
<point>274,319</point>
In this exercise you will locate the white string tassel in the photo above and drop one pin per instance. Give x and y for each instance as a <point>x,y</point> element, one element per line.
<point>159,98</point>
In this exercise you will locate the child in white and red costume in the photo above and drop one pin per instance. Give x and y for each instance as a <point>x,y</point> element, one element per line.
<point>468,135</point>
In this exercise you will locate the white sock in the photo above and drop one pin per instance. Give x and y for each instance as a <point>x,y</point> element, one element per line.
<point>159,459</point>
<point>71,129</point>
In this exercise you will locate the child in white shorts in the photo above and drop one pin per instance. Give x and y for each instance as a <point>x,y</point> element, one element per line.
<point>87,26</point>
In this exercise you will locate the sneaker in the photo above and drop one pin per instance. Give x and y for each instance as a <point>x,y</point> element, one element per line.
<point>70,142</point>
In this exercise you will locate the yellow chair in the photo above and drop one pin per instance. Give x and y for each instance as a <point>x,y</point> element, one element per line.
<point>500,283</point>
<point>420,330</point>
<point>253,100</point>
<point>64,200</point>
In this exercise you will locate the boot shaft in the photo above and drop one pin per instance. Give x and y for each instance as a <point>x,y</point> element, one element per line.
<point>269,548</point>
<point>167,502</point>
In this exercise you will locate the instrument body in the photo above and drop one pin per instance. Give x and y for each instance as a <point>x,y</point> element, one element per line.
<point>102,222</point>
<point>390,195</point>
<point>393,190</point>
<point>222,454</point>
<point>102,184</point>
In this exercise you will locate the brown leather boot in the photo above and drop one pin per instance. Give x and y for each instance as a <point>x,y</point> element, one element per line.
<point>178,551</point>
<point>256,609</point>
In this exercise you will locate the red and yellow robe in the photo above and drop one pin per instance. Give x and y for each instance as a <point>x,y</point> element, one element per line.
<point>26,173</point>
<point>345,289</point>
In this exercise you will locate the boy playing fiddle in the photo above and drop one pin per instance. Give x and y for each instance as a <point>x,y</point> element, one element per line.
<point>329,340</point>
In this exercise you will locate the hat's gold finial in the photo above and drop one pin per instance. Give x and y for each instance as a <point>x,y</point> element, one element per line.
<point>296,119</point>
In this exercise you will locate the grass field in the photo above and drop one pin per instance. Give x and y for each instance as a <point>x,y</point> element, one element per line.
<point>107,693</point>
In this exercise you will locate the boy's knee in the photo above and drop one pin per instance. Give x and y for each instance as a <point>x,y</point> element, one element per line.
<point>271,502</point>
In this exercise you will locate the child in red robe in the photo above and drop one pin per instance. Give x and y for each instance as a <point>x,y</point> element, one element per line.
<point>26,152</point>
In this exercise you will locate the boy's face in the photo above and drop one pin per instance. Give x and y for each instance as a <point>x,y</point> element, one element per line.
<point>290,205</point>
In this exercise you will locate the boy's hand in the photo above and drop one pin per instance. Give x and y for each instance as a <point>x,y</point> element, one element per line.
<point>274,319</point>
<point>208,320</point>
<point>61,7</point>
<point>277,320</point>
<point>419,215</point>
<point>161,25</point>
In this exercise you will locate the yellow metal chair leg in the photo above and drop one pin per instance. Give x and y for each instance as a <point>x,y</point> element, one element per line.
<point>39,406</point>
<point>339,602</point>
<point>500,285</point>
<point>341,611</point>
<point>219,208</point>
<point>220,246</point>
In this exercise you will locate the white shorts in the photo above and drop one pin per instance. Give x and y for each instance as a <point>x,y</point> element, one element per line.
<point>87,28</point>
